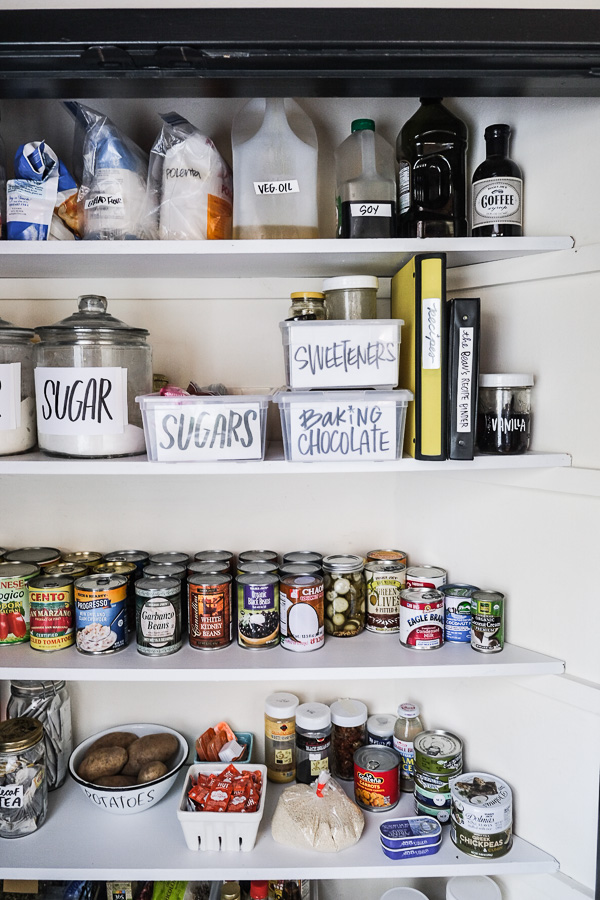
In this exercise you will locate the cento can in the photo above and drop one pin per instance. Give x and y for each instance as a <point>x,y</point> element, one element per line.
<point>89,558</point>
<point>302,613</point>
<point>481,815</point>
<point>73,570</point>
<point>421,619</point>
<point>258,611</point>
<point>100,614</point>
<point>225,557</point>
<point>51,612</point>
<point>386,580</point>
<point>35,556</point>
<point>425,577</point>
<point>209,611</point>
<point>438,753</point>
<point>376,782</point>
<point>487,621</point>
<point>398,556</point>
<point>158,616</point>
<point>457,612</point>
<point>14,601</point>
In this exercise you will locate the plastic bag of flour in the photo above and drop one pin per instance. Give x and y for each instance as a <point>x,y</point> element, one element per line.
<point>190,188</point>
<point>42,199</point>
<point>113,177</point>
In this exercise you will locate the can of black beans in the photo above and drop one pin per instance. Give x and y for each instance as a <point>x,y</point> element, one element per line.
<point>258,611</point>
<point>158,616</point>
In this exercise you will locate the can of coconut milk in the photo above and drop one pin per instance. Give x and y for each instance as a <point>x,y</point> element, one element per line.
<point>302,613</point>
<point>487,621</point>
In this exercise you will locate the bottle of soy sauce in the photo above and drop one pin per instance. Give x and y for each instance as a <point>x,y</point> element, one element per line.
<point>497,189</point>
<point>366,184</point>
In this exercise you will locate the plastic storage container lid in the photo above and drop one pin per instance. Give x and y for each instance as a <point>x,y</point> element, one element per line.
<point>403,893</point>
<point>313,716</point>
<point>510,380</point>
<point>408,710</point>
<point>381,725</point>
<point>350,282</point>
<point>281,705</point>
<point>348,713</point>
<point>472,887</point>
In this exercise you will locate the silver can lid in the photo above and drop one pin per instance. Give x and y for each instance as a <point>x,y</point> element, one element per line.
<point>343,562</point>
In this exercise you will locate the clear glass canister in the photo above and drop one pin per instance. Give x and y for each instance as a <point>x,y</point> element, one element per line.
<point>17,396</point>
<point>504,413</point>
<point>307,303</point>
<point>345,594</point>
<point>23,786</point>
<point>89,368</point>
<point>48,702</point>
<point>348,733</point>
<point>351,297</point>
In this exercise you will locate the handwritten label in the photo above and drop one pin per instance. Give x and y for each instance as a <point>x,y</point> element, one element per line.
<point>269,188</point>
<point>11,796</point>
<point>431,333</point>
<point>464,381</point>
<point>197,431</point>
<point>10,396</point>
<point>87,400</point>
<point>346,355</point>
<point>104,201</point>
<point>380,210</point>
<point>365,430</point>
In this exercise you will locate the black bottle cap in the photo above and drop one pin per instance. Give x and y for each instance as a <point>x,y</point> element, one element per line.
<point>430,99</point>
<point>496,131</point>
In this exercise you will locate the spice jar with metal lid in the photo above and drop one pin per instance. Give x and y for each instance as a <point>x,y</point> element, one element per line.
<point>348,733</point>
<point>48,702</point>
<point>17,396</point>
<point>23,785</point>
<point>89,368</point>
<point>307,303</point>
<point>504,414</point>
<point>345,594</point>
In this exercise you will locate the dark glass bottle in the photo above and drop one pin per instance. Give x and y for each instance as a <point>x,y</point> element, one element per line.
<point>497,189</point>
<point>431,150</point>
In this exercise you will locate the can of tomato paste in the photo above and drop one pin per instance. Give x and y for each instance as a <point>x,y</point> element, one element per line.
<point>421,619</point>
<point>302,613</point>
<point>51,612</point>
<point>209,611</point>
<point>14,601</point>
<point>376,782</point>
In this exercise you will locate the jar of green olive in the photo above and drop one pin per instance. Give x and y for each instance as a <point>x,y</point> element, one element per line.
<point>345,594</point>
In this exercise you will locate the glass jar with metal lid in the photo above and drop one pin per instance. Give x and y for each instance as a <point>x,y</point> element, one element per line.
<point>89,368</point>
<point>349,732</point>
<point>18,430</point>
<point>504,413</point>
<point>48,702</point>
<point>23,785</point>
<point>345,594</point>
<point>307,303</point>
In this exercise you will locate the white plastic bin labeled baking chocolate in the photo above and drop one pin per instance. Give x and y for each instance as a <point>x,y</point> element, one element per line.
<point>343,425</point>
<point>353,353</point>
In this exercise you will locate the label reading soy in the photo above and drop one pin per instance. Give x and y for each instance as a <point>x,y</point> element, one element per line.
<point>360,430</point>
<point>10,396</point>
<point>271,188</point>
<point>208,432</point>
<point>344,356</point>
<point>88,400</point>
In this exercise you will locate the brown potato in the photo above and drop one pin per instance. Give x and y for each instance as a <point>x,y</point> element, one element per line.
<point>150,748</point>
<point>115,781</point>
<point>150,771</point>
<point>114,739</point>
<point>106,761</point>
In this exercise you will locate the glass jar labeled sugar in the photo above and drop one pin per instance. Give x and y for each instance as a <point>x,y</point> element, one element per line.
<point>17,400</point>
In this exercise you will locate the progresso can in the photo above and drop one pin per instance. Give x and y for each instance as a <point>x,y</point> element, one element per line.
<point>129,571</point>
<point>258,611</point>
<point>457,612</point>
<point>51,612</point>
<point>487,621</point>
<point>421,619</point>
<point>302,613</point>
<point>376,780</point>
<point>425,577</point>
<point>100,614</point>
<point>386,579</point>
<point>209,611</point>
<point>14,601</point>
<point>158,616</point>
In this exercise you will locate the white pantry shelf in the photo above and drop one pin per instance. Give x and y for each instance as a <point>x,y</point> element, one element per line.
<point>79,841</point>
<point>366,657</point>
<point>236,259</point>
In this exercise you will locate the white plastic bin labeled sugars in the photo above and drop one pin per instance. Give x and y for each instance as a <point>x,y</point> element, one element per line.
<point>353,353</point>
<point>342,426</point>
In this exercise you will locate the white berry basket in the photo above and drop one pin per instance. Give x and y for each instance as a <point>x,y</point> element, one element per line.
<point>228,831</point>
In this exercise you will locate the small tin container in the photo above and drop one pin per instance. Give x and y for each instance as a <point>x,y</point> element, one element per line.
<point>380,729</point>
<point>35,556</point>
<point>487,621</point>
<point>138,557</point>
<point>303,556</point>
<point>73,570</point>
<point>386,579</point>
<point>170,556</point>
<point>261,556</point>
<point>421,618</point>
<point>412,831</point>
<point>258,611</point>
<point>438,784</point>
<point>14,601</point>
<point>225,557</point>
<point>398,556</point>
<point>457,612</point>
<point>129,571</point>
<point>209,611</point>
<point>100,614</point>
<point>51,612</point>
<point>158,616</point>
<point>425,577</point>
<point>442,815</point>
<point>299,569</point>
<point>434,799</point>
<point>88,558</point>
<point>376,778</point>
<point>180,573</point>
<point>257,568</point>
<point>302,616</point>
<point>438,753</point>
<point>412,853</point>
<point>481,815</point>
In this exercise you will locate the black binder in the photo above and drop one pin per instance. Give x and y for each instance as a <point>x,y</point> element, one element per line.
<point>463,374</point>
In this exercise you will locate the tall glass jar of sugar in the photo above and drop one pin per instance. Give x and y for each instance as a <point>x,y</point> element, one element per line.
<point>17,400</point>
<point>89,368</point>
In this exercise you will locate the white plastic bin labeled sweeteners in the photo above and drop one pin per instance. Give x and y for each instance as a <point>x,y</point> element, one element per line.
<point>343,425</point>
<point>203,429</point>
<point>341,353</point>
<point>227,831</point>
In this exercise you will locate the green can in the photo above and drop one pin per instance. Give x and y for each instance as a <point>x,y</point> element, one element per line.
<point>258,611</point>
<point>487,621</point>
<point>482,846</point>
<point>438,752</point>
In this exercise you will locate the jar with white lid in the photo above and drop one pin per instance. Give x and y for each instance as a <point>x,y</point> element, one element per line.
<point>380,729</point>
<point>348,733</point>
<point>345,594</point>
<point>504,413</point>
<point>313,741</point>
<point>472,887</point>
<point>17,397</point>
<point>89,368</point>
<point>351,297</point>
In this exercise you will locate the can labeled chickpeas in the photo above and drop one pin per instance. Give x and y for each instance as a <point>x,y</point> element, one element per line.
<point>158,616</point>
<point>421,618</point>
<point>209,611</point>
<point>301,612</point>
<point>386,579</point>
<point>481,815</point>
<point>376,782</point>
<point>258,611</point>
<point>51,612</point>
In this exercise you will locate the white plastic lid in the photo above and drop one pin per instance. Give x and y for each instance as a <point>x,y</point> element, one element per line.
<point>403,893</point>
<point>381,725</point>
<point>348,713</point>
<point>313,716</point>
<point>506,381</point>
<point>408,710</point>
<point>472,887</point>
<point>281,705</point>
<point>350,282</point>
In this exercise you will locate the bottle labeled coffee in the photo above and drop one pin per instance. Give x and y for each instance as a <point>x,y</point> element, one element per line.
<point>497,189</point>
<point>431,150</point>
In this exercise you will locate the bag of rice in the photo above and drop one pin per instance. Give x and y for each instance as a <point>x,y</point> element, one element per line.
<point>317,817</point>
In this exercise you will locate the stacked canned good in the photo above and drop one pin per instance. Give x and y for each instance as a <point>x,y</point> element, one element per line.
<point>438,759</point>
<point>481,815</point>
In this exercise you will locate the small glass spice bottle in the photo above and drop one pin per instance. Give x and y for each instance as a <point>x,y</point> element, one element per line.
<point>23,785</point>
<point>49,703</point>
<point>307,303</point>
<point>313,741</point>
<point>280,736</point>
<point>348,733</point>
<point>408,725</point>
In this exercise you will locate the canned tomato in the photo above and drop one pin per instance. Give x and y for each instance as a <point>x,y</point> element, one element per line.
<point>386,580</point>
<point>51,612</point>
<point>14,601</point>
<point>481,814</point>
<point>425,577</point>
<point>438,753</point>
<point>73,570</point>
<point>209,611</point>
<point>376,783</point>
<point>398,556</point>
<point>158,616</point>
<point>487,621</point>
<point>100,613</point>
<point>258,611</point>
<point>88,558</point>
<point>302,616</point>
<point>457,612</point>
<point>223,557</point>
<point>421,619</point>
<point>35,556</point>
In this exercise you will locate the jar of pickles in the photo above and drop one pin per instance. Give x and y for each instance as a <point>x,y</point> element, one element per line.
<point>345,594</point>
<point>23,786</point>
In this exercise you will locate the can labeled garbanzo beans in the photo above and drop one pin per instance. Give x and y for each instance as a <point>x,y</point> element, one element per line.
<point>101,613</point>
<point>51,612</point>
